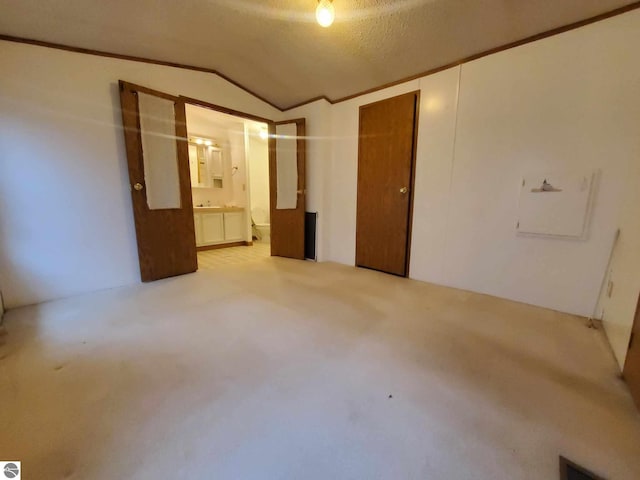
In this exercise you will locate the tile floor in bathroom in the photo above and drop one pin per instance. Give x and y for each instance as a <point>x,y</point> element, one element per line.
<point>209,259</point>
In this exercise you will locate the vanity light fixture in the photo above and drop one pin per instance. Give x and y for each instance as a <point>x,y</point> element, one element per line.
<point>325,13</point>
<point>208,143</point>
<point>199,141</point>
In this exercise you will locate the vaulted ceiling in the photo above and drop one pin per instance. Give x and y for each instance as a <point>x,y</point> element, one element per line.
<point>275,49</point>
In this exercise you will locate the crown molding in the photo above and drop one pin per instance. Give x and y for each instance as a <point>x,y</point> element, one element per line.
<point>533,38</point>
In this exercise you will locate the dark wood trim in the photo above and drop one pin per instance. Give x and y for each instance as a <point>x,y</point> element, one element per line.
<point>271,142</point>
<point>539,36</point>
<point>294,120</point>
<point>636,323</point>
<point>139,88</point>
<point>413,92</point>
<point>631,367</point>
<point>132,58</point>
<point>565,463</point>
<point>242,243</point>
<point>412,182</point>
<point>491,51</point>
<point>226,110</point>
<point>307,102</point>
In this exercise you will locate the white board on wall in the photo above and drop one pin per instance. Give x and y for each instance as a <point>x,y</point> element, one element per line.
<point>555,204</point>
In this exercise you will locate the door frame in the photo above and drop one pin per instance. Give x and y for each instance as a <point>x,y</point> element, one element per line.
<point>236,113</point>
<point>412,179</point>
<point>221,109</point>
<point>635,329</point>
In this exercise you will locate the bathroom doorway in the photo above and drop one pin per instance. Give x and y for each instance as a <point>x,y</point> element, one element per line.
<point>165,157</point>
<point>229,171</point>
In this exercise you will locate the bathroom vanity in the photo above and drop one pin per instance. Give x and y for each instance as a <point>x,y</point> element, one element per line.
<point>218,226</point>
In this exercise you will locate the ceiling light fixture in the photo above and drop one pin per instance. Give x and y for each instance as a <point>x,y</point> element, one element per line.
<point>325,13</point>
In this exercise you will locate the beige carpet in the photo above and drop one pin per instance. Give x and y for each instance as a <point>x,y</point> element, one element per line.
<point>283,369</point>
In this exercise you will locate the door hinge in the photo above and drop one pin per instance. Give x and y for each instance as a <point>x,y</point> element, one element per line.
<point>518,224</point>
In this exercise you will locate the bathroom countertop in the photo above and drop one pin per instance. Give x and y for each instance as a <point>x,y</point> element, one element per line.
<point>217,209</point>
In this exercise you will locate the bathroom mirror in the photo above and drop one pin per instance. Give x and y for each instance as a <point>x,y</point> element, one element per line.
<point>205,163</point>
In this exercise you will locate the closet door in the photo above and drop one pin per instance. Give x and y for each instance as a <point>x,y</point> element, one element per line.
<point>386,160</point>
<point>155,133</point>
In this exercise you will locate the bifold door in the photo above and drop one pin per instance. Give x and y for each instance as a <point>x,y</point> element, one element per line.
<point>287,187</point>
<point>155,135</point>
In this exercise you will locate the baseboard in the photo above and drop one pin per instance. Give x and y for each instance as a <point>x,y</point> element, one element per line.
<point>243,243</point>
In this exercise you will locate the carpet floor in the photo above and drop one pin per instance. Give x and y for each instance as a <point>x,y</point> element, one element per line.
<point>284,369</point>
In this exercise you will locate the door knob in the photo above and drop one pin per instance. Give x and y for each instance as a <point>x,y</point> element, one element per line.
<point>137,187</point>
<point>404,190</point>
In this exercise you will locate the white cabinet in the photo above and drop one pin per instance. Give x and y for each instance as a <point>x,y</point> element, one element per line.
<point>213,228</point>
<point>234,226</point>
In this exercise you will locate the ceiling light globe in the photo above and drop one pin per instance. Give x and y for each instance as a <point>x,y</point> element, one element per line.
<point>325,13</point>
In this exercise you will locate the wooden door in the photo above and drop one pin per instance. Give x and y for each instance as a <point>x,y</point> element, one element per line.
<point>155,133</point>
<point>386,159</point>
<point>632,363</point>
<point>287,146</point>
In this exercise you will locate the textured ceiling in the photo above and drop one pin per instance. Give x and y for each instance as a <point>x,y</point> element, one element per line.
<point>274,48</point>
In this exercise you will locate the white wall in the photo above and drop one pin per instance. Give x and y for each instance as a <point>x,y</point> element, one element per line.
<point>258,153</point>
<point>552,106</point>
<point>436,139</point>
<point>342,183</point>
<point>66,224</point>
<point>569,101</point>
<point>618,311</point>
<point>238,173</point>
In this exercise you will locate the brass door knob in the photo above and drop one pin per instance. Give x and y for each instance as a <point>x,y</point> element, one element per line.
<point>137,187</point>
<point>404,190</point>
